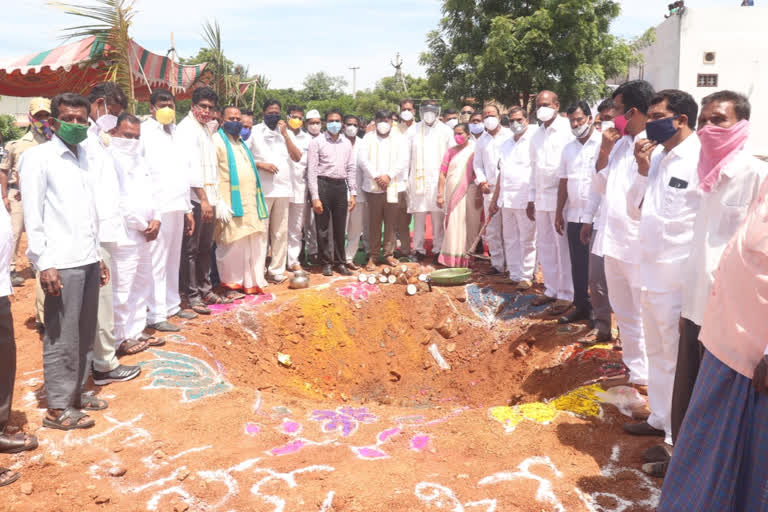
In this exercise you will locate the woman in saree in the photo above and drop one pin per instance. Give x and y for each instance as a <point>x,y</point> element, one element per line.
<point>456,176</point>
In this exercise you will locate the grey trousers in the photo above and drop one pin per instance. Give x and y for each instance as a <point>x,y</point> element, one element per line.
<point>7,361</point>
<point>104,358</point>
<point>403,225</point>
<point>598,291</point>
<point>70,330</point>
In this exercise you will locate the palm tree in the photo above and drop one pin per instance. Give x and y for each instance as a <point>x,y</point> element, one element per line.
<point>112,21</point>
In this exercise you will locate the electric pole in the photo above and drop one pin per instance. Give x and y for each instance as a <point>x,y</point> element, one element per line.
<point>354,79</point>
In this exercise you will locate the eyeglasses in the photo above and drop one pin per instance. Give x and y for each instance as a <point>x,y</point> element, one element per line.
<point>466,111</point>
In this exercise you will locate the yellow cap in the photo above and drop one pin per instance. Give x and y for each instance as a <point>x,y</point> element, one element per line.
<point>38,105</point>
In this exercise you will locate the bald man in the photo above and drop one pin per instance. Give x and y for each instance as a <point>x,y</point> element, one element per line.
<point>546,148</point>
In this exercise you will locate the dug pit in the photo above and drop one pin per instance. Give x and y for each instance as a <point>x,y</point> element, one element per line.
<point>374,343</point>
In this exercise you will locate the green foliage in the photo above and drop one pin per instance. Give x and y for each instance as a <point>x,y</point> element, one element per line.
<point>506,50</point>
<point>8,129</point>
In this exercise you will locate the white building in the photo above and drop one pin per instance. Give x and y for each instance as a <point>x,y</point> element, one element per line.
<point>703,50</point>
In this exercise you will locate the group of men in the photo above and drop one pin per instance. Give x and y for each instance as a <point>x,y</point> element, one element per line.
<point>626,207</point>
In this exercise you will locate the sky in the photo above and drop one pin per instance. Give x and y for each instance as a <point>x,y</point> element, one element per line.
<point>288,39</point>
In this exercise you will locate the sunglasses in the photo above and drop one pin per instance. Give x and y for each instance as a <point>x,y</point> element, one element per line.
<point>466,111</point>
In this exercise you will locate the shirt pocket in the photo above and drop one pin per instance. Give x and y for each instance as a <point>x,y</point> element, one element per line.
<point>674,201</point>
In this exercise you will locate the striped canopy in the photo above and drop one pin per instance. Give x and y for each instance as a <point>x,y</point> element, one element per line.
<point>78,66</point>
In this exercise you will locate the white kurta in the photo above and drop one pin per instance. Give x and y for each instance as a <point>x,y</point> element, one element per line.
<point>428,146</point>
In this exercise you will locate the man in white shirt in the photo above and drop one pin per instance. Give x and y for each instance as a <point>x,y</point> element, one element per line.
<point>357,219</point>
<point>63,244</point>
<point>664,198</point>
<point>617,169</point>
<point>486,164</point>
<point>131,258</point>
<point>383,159</point>
<point>166,161</point>
<point>511,196</point>
<point>107,102</point>
<point>729,181</point>
<point>546,158</point>
<point>576,172</point>
<point>275,151</point>
<point>403,129</point>
<point>429,141</point>
<point>194,135</point>
<point>298,200</point>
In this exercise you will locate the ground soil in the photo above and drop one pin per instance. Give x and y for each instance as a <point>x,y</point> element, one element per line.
<point>363,418</point>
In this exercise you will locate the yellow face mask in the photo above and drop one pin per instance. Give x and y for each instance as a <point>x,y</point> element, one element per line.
<point>294,123</point>
<point>165,115</point>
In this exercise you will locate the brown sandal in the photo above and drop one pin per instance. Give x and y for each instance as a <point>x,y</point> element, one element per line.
<point>7,477</point>
<point>131,347</point>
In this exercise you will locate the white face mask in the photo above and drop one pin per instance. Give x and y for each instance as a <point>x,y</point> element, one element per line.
<point>517,127</point>
<point>429,118</point>
<point>580,131</point>
<point>406,115</point>
<point>383,127</point>
<point>452,123</point>
<point>545,114</point>
<point>350,131</point>
<point>476,128</point>
<point>491,123</point>
<point>606,125</point>
<point>313,128</point>
<point>107,122</point>
<point>127,146</point>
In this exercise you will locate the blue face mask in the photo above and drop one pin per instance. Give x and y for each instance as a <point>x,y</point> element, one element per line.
<point>661,130</point>
<point>476,128</point>
<point>245,133</point>
<point>333,127</point>
<point>232,127</point>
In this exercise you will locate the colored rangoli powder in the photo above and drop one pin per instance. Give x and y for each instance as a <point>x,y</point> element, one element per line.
<point>581,402</point>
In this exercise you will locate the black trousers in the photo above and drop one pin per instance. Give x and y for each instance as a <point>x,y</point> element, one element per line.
<point>7,361</point>
<point>195,268</point>
<point>579,267</point>
<point>690,352</point>
<point>331,224</point>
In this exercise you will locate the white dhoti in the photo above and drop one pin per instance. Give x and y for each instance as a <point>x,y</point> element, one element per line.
<point>241,263</point>
<point>132,287</point>
<point>165,252</point>
<point>494,237</point>
<point>295,225</point>
<point>357,219</point>
<point>661,329</point>
<point>554,256</point>
<point>420,229</point>
<point>519,243</point>
<point>310,231</point>
<point>624,294</point>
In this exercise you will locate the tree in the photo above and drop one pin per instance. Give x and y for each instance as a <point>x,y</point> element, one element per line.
<point>8,129</point>
<point>506,50</point>
<point>321,85</point>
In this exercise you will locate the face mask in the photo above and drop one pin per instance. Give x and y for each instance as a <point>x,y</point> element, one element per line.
<point>517,127</point>
<point>294,123</point>
<point>72,133</point>
<point>383,127</point>
<point>661,130</point>
<point>545,114</point>
<point>126,146</point>
<point>313,128</point>
<point>491,123</point>
<point>165,115</point>
<point>350,130</point>
<point>202,116</point>
<point>107,122</point>
<point>271,120</point>
<point>232,127</point>
<point>334,127</point>
<point>460,139</point>
<point>476,128</point>
<point>620,123</point>
<point>452,123</point>
<point>580,131</point>
<point>605,125</point>
<point>406,115</point>
<point>245,133</point>
<point>429,117</point>
<point>212,125</point>
<point>40,127</point>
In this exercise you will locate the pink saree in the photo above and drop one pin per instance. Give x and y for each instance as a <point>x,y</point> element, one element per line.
<point>459,175</point>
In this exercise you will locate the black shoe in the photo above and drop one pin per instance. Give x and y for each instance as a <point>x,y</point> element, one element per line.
<point>417,256</point>
<point>327,270</point>
<point>658,453</point>
<point>343,270</point>
<point>574,315</point>
<point>40,327</point>
<point>120,374</point>
<point>642,429</point>
<point>16,279</point>
<point>493,271</point>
